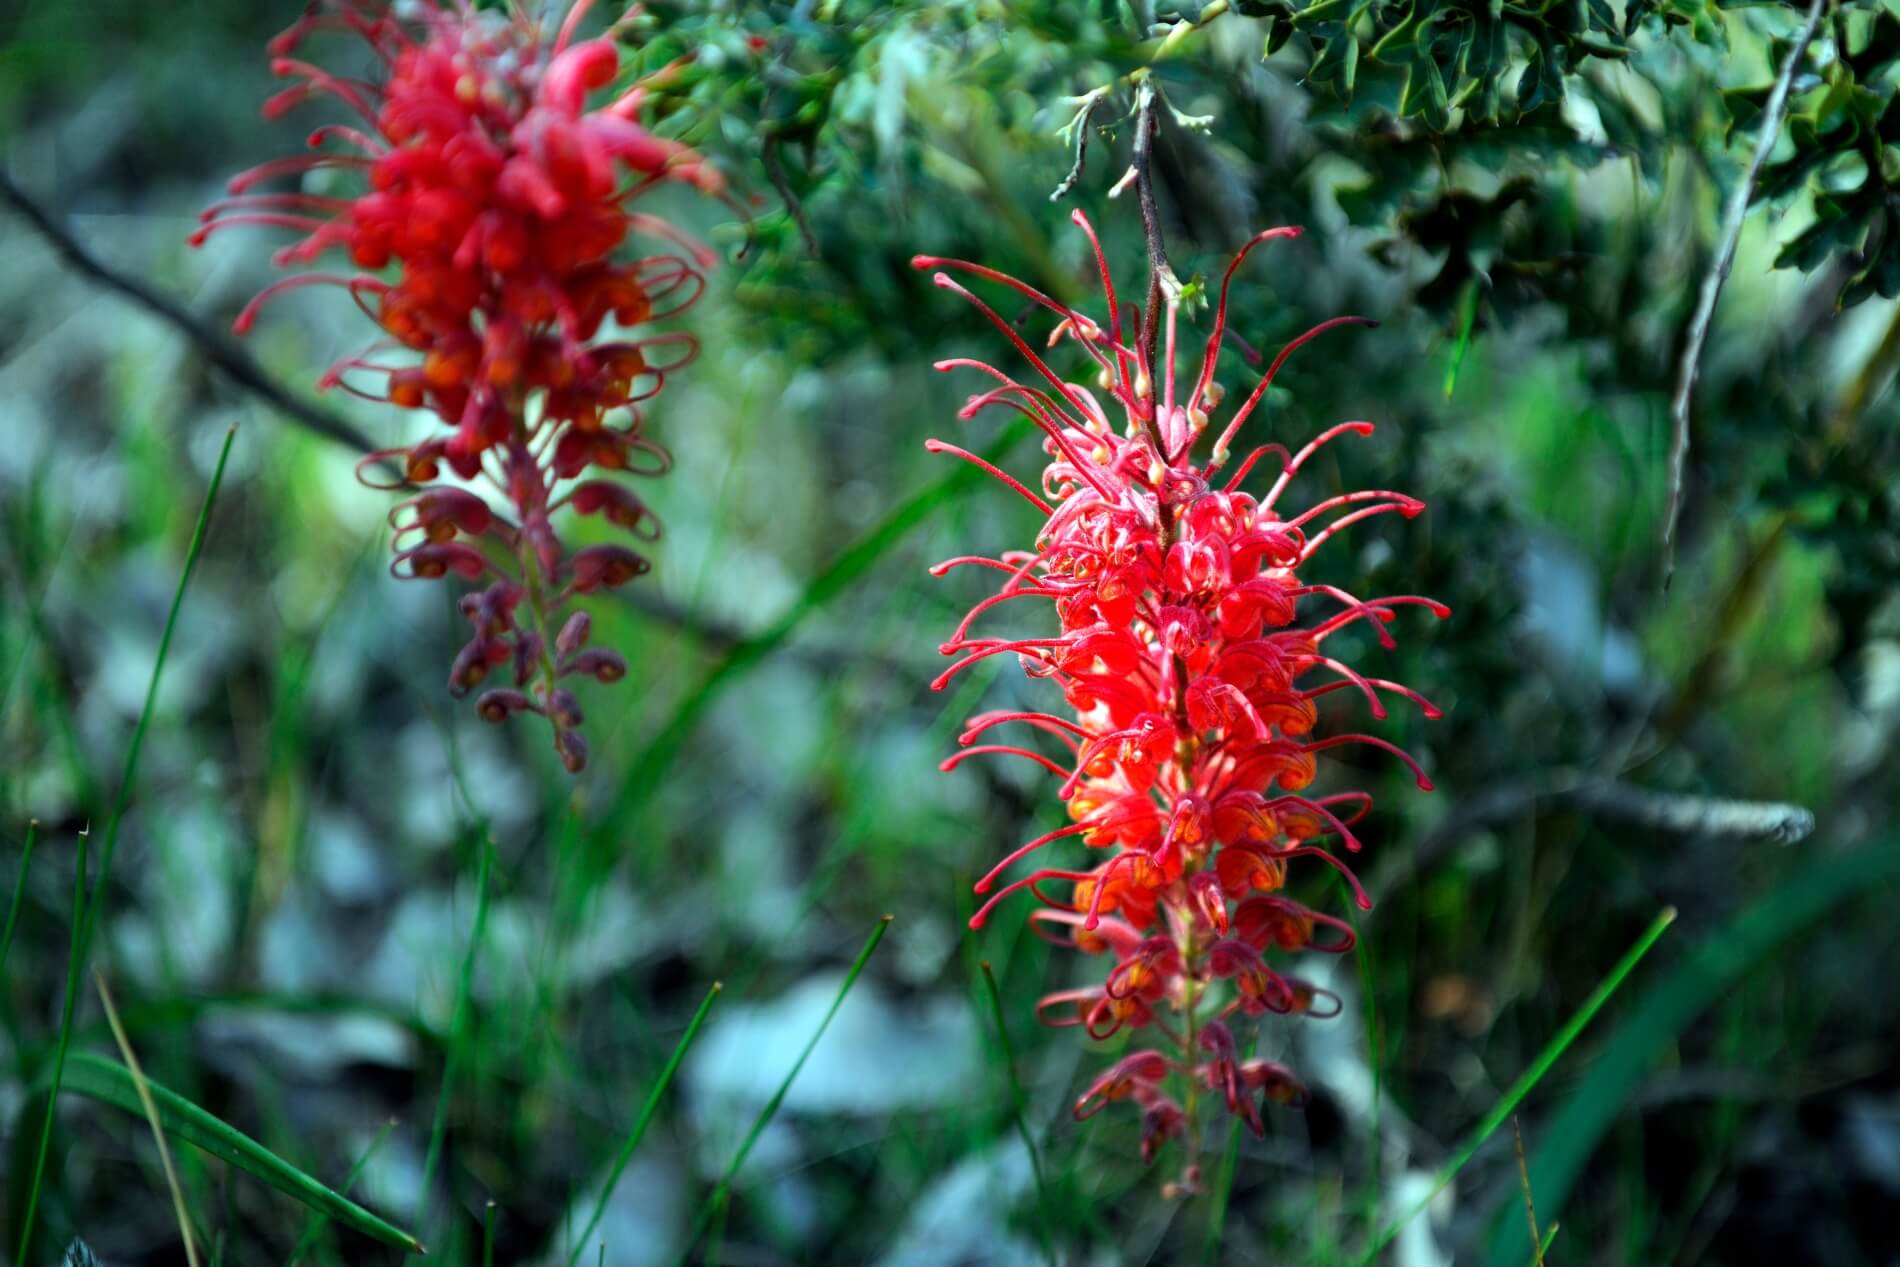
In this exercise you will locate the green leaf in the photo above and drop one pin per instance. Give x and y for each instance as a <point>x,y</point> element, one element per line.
<point>1399,39</point>
<point>110,1082</point>
<point>1324,11</point>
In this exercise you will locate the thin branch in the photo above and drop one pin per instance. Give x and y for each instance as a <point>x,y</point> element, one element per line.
<point>1163,286</point>
<point>1162,283</point>
<point>218,348</point>
<point>1773,114</point>
<point>1676,813</point>
<point>1683,815</point>
<point>775,172</point>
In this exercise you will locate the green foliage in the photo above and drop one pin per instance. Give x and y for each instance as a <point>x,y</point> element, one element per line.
<point>1449,56</point>
<point>1526,197</point>
<point>1845,137</point>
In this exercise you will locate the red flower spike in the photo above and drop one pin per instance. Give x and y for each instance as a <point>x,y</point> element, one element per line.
<point>500,203</point>
<point>1196,692</point>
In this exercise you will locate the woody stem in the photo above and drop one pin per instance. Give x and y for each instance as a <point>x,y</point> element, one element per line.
<point>1162,284</point>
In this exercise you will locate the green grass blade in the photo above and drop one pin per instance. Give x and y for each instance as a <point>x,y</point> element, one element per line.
<point>459,1020</point>
<point>650,766</point>
<point>1217,1201</point>
<point>640,1123</point>
<point>318,1220</point>
<point>1553,1051</point>
<point>1706,974</point>
<point>1019,1103</point>
<point>1543,1246</point>
<point>110,1082</point>
<point>716,1203</point>
<point>65,1036</point>
<point>488,1235</point>
<point>19,893</point>
<point>86,913</point>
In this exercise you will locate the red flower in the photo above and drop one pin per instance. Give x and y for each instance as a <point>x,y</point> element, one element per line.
<point>1191,696</point>
<point>499,203</point>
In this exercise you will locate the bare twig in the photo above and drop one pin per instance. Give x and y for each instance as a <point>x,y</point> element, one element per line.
<point>218,348</point>
<point>1163,287</point>
<point>1611,798</point>
<point>1773,115</point>
<point>1162,283</point>
<point>1684,815</point>
<point>775,172</point>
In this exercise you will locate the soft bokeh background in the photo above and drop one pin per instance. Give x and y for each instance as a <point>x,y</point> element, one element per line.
<point>292,906</point>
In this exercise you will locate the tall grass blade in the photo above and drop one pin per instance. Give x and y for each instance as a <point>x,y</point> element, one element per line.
<point>1019,1104</point>
<point>80,864</point>
<point>1217,1200</point>
<point>110,1082</point>
<point>458,1023</point>
<point>1553,1051</point>
<point>640,1123</point>
<point>651,764</point>
<point>716,1203</point>
<point>86,913</point>
<point>1705,974</point>
<point>19,893</point>
<point>319,1221</point>
<point>1543,1246</point>
<point>151,1116</point>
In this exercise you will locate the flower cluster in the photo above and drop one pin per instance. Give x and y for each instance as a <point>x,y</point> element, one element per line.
<point>498,202</point>
<point>1189,746</point>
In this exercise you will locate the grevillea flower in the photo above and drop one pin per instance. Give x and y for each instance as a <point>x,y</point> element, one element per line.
<point>1193,689</point>
<point>497,204</point>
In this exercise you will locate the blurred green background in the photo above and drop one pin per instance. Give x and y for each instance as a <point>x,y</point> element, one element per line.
<point>293,907</point>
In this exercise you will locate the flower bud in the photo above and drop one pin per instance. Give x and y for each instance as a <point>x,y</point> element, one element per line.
<point>563,707</point>
<point>599,567</point>
<point>598,662</point>
<point>472,664</point>
<point>499,703</point>
<point>572,749</point>
<point>574,633</point>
